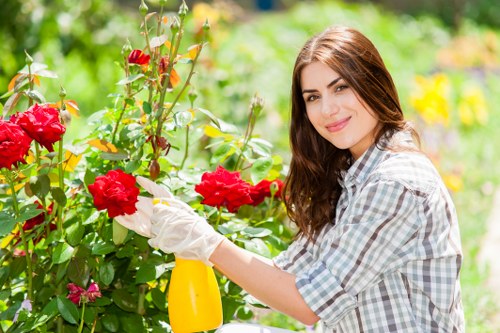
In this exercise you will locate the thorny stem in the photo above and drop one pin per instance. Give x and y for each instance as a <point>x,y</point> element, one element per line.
<point>161,118</point>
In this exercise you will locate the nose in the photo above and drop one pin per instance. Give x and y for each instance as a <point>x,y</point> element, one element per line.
<point>329,106</point>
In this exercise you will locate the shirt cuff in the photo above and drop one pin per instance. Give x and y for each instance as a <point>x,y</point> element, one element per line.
<point>324,294</point>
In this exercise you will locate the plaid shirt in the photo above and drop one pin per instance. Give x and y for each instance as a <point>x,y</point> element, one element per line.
<point>391,260</point>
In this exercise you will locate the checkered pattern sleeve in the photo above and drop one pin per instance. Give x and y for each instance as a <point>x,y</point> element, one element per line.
<point>374,237</point>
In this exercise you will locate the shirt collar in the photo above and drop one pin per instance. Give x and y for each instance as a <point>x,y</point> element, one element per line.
<point>366,163</point>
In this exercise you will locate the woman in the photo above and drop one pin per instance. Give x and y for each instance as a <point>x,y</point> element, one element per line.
<point>378,248</point>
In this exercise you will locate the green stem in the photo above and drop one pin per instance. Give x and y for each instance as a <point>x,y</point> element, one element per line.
<point>219,215</point>
<point>80,328</point>
<point>23,235</point>
<point>186,145</point>
<point>61,186</point>
<point>142,297</point>
<point>118,122</point>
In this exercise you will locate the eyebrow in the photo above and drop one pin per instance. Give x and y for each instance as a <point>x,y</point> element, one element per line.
<point>328,86</point>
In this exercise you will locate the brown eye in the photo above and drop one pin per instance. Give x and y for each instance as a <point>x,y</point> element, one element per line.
<point>341,87</point>
<point>311,98</point>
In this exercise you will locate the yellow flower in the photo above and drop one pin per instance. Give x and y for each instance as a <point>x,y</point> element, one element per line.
<point>472,107</point>
<point>430,99</point>
<point>453,182</point>
<point>203,11</point>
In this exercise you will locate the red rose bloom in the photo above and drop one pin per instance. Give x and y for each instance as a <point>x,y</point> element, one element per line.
<point>42,124</point>
<point>262,190</point>
<point>224,188</point>
<point>77,294</point>
<point>116,192</point>
<point>14,144</point>
<point>138,57</point>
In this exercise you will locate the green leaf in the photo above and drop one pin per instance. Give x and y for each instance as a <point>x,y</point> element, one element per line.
<point>74,233</point>
<point>130,79</point>
<point>107,273</point>
<point>110,322</point>
<point>222,153</point>
<point>4,274</point>
<point>125,252</point>
<point>210,115</point>
<point>7,224</point>
<point>68,310</point>
<point>89,177</point>
<point>119,233</point>
<point>103,248</point>
<point>256,232</point>
<point>258,246</point>
<point>260,169</point>
<point>78,271</point>
<point>149,272</point>
<point>36,96</point>
<point>114,156</point>
<point>244,313</point>
<point>132,166</point>
<point>159,299</point>
<point>40,185</point>
<point>59,196</point>
<point>62,253</point>
<point>146,107</point>
<point>132,323</point>
<point>124,300</point>
<point>27,212</point>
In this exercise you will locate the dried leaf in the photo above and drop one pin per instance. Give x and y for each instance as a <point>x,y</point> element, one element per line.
<point>193,51</point>
<point>103,145</point>
<point>158,41</point>
<point>175,79</point>
<point>70,161</point>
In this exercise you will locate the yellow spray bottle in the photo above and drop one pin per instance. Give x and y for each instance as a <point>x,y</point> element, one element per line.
<point>194,302</point>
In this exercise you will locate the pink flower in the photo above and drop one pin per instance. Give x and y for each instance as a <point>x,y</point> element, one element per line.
<point>224,188</point>
<point>79,295</point>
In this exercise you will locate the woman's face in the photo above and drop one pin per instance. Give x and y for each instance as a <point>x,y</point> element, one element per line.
<point>336,111</point>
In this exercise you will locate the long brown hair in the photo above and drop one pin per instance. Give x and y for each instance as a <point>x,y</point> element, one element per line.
<point>312,188</point>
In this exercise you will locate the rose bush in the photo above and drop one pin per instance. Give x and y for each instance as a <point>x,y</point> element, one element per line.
<point>65,264</point>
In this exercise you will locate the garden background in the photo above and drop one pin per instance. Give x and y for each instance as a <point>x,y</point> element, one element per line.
<point>445,60</point>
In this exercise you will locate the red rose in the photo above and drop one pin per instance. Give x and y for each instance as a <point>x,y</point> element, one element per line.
<point>116,192</point>
<point>14,144</point>
<point>224,188</point>
<point>262,190</point>
<point>42,123</point>
<point>77,294</point>
<point>138,57</point>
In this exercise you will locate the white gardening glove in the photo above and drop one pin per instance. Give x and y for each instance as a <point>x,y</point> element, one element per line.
<point>181,231</point>
<point>140,221</point>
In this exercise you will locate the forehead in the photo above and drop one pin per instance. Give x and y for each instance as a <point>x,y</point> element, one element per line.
<point>317,75</point>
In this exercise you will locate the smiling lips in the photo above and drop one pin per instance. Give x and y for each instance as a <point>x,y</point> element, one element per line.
<point>338,125</point>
